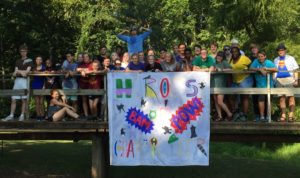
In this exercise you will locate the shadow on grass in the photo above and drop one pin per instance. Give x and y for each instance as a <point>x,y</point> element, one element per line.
<point>68,159</point>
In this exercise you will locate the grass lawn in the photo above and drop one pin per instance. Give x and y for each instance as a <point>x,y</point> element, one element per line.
<point>68,159</point>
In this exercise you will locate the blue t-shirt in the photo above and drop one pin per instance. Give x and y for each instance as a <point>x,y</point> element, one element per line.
<point>139,66</point>
<point>135,43</point>
<point>261,80</point>
<point>69,82</point>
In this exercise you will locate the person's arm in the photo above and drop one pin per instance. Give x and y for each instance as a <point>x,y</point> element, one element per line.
<point>58,103</point>
<point>123,37</point>
<point>24,73</point>
<point>196,68</point>
<point>146,33</point>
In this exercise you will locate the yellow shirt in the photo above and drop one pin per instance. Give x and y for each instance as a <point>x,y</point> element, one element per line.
<point>241,64</point>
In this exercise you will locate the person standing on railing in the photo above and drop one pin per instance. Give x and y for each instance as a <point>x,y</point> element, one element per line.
<point>84,81</point>
<point>69,67</point>
<point>220,81</point>
<point>22,68</point>
<point>262,66</point>
<point>240,63</point>
<point>38,83</point>
<point>286,78</point>
<point>134,41</point>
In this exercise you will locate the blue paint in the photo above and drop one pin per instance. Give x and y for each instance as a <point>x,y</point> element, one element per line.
<point>141,121</point>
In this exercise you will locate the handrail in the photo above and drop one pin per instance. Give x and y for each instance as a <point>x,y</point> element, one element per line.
<point>252,91</point>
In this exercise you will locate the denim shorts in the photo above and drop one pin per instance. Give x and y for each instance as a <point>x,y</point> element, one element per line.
<point>246,83</point>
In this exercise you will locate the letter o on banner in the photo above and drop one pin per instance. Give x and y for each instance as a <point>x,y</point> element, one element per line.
<point>164,87</point>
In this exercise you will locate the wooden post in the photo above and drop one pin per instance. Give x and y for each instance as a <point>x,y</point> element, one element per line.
<point>269,98</point>
<point>27,114</point>
<point>99,163</point>
<point>106,99</point>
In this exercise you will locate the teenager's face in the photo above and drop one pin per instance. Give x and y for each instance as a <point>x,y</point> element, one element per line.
<point>126,57</point>
<point>86,58</point>
<point>48,63</point>
<point>168,57</point>
<point>281,52</point>
<point>151,60</point>
<point>95,66</point>
<point>203,54</point>
<point>197,51</point>
<point>219,58</point>
<point>187,55</point>
<point>135,59</point>
<point>254,50</point>
<point>80,58</point>
<point>106,62</point>
<point>38,61</point>
<point>69,57</point>
<point>181,49</point>
<point>133,32</point>
<point>23,53</point>
<point>55,95</point>
<point>213,48</point>
<point>141,56</point>
<point>150,53</point>
<point>261,57</point>
<point>162,54</point>
<point>114,56</point>
<point>235,53</point>
<point>103,51</point>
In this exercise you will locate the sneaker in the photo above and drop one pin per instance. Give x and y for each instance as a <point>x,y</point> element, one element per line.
<point>21,118</point>
<point>236,117</point>
<point>8,118</point>
<point>257,119</point>
<point>263,119</point>
<point>243,117</point>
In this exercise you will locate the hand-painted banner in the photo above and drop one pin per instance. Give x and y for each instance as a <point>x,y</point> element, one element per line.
<point>159,118</point>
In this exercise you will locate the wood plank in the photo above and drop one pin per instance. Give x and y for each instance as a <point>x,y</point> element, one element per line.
<point>6,93</point>
<point>71,92</point>
<point>242,91</point>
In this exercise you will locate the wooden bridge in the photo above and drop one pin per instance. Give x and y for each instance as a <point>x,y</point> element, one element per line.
<point>98,131</point>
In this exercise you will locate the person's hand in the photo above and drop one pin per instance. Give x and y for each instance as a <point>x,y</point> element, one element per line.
<point>83,73</point>
<point>23,74</point>
<point>263,71</point>
<point>295,83</point>
<point>15,74</point>
<point>67,74</point>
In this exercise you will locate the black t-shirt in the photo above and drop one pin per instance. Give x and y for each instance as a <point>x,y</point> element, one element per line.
<point>153,67</point>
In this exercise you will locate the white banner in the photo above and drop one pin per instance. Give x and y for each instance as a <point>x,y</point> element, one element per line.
<point>159,118</point>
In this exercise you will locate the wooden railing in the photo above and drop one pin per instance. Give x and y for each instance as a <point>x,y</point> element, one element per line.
<point>232,91</point>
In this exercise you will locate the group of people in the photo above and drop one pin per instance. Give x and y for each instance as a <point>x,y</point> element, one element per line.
<point>181,59</point>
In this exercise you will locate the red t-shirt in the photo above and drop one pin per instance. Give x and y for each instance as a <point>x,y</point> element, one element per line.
<point>84,81</point>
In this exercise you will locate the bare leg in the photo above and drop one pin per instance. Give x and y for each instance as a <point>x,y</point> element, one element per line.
<point>95,104</point>
<point>245,99</point>
<point>85,105</point>
<point>220,99</point>
<point>291,107</point>
<point>217,106</point>
<point>13,106</point>
<point>59,115</point>
<point>261,106</point>
<point>42,108</point>
<point>24,106</point>
<point>72,113</point>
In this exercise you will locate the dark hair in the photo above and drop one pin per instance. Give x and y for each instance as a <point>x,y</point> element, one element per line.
<point>163,49</point>
<point>221,54</point>
<point>23,47</point>
<point>198,46</point>
<point>262,52</point>
<point>188,50</point>
<point>54,90</point>
<point>181,44</point>
<point>214,43</point>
